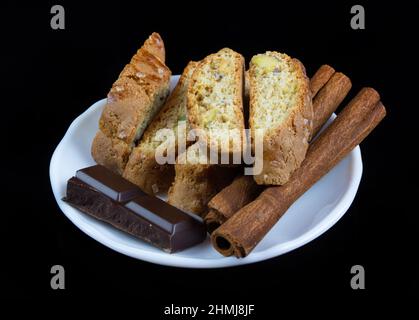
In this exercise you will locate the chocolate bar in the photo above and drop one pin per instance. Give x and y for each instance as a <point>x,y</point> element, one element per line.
<point>107,196</point>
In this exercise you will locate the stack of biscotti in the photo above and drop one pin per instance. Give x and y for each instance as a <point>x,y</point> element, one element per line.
<point>215,111</point>
<point>281,106</point>
<point>208,98</point>
<point>134,99</point>
<point>142,167</point>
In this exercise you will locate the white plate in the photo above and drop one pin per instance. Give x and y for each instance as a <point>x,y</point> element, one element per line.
<point>314,213</point>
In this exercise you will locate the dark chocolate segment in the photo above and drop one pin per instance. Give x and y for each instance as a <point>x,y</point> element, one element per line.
<point>160,212</point>
<point>144,216</point>
<point>109,183</point>
<point>184,229</point>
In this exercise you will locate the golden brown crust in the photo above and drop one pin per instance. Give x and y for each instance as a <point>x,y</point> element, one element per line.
<point>148,71</point>
<point>285,147</point>
<point>246,85</point>
<point>191,189</point>
<point>196,183</point>
<point>155,45</point>
<point>124,110</point>
<point>111,153</point>
<point>142,168</point>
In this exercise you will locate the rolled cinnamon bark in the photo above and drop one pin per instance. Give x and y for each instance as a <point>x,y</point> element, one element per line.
<point>320,78</point>
<point>331,88</point>
<point>228,201</point>
<point>244,230</point>
<point>328,99</point>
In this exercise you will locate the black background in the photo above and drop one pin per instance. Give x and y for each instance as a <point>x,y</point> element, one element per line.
<point>54,75</point>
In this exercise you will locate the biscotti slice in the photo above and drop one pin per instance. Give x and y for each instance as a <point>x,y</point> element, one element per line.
<point>197,181</point>
<point>142,167</point>
<point>215,100</point>
<point>145,74</point>
<point>280,104</point>
<point>134,99</point>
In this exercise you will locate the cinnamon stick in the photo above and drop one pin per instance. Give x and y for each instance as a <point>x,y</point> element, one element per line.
<point>331,88</point>
<point>244,230</point>
<point>228,201</point>
<point>320,78</point>
<point>328,99</point>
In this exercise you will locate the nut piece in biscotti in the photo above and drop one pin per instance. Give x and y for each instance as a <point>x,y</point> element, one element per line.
<point>280,104</point>
<point>134,99</point>
<point>142,168</point>
<point>197,181</point>
<point>215,100</point>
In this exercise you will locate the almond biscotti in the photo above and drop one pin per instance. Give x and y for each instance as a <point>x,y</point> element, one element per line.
<point>280,104</point>
<point>142,167</point>
<point>134,99</point>
<point>215,100</point>
<point>197,181</point>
